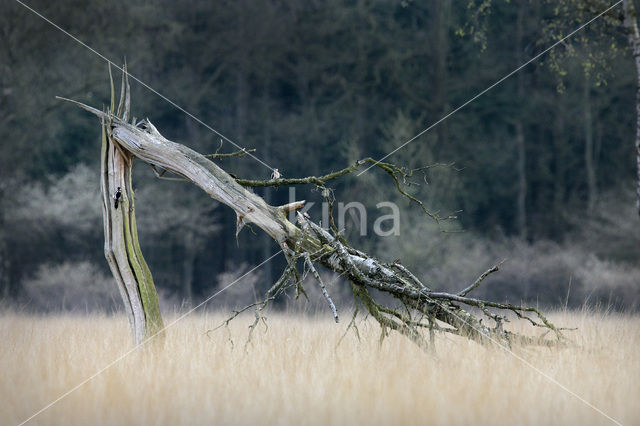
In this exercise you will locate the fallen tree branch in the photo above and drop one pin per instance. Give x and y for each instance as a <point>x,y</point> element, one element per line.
<point>323,289</point>
<point>481,278</point>
<point>240,153</point>
<point>422,308</point>
<point>400,176</point>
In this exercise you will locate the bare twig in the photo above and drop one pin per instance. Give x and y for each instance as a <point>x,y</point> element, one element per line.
<point>323,289</point>
<point>240,153</point>
<point>400,175</point>
<point>481,278</point>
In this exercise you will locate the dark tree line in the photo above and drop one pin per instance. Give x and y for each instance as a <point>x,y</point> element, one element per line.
<point>313,86</point>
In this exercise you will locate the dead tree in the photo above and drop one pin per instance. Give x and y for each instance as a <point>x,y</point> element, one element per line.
<point>121,246</point>
<point>423,310</point>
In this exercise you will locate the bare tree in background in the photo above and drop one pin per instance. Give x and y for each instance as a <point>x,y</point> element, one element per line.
<point>624,22</point>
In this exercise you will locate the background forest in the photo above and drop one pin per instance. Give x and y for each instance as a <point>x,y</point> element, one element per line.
<point>544,164</point>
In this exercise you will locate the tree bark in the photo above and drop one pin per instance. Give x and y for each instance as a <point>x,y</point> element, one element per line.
<point>588,148</point>
<point>122,249</point>
<point>521,203</point>
<point>560,162</point>
<point>121,246</point>
<point>441,46</point>
<point>633,37</point>
<point>267,244</point>
<point>522,181</point>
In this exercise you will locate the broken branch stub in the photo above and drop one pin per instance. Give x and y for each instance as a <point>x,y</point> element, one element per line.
<point>421,307</point>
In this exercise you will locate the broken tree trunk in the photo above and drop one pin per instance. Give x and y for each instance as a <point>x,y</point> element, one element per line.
<point>121,246</point>
<point>422,308</point>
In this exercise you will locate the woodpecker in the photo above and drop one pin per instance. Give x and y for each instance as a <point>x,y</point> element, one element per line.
<point>117,197</point>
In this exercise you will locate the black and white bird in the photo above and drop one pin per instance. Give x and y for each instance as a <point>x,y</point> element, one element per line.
<point>117,197</point>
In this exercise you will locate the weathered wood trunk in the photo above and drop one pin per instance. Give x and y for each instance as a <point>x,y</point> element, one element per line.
<point>121,246</point>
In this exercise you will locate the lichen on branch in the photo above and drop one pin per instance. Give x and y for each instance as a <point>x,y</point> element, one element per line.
<point>400,175</point>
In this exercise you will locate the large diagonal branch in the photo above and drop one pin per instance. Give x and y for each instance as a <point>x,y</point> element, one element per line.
<point>145,142</point>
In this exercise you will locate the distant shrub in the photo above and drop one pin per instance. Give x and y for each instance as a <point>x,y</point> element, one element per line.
<point>42,209</point>
<point>241,291</point>
<point>591,267</point>
<point>610,282</point>
<point>71,286</point>
<point>612,232</point>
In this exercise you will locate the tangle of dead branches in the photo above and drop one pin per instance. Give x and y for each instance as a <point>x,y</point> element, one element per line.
<point>418,310</point>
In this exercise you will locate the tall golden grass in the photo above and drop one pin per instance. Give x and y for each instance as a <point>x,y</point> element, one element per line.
<point>293,373</point>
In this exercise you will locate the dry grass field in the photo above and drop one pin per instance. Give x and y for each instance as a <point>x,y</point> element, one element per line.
<point>294,374</point>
